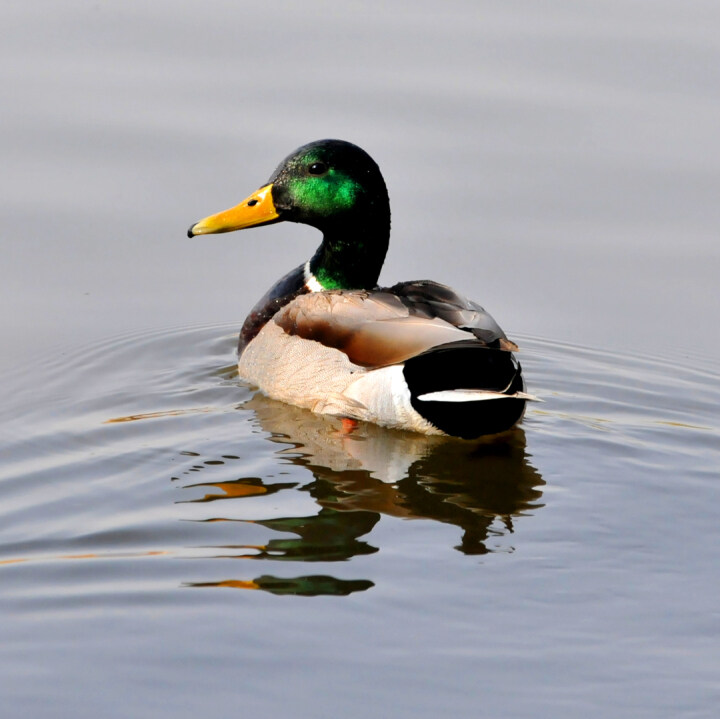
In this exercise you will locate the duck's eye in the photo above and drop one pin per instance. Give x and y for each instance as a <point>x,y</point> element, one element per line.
<point>318,168</point>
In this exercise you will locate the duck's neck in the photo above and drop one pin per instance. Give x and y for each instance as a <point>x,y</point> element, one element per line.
<point>352,255</point>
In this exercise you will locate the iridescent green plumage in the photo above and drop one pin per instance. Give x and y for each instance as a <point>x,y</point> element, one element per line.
<point>331,193</point>
<point>347,202</point>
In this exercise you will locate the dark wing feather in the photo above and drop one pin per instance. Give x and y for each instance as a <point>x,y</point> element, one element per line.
<point>431,299</point>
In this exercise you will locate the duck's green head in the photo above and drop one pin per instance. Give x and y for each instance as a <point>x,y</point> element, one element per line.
<point>332,185</point>
<point>326,184</point>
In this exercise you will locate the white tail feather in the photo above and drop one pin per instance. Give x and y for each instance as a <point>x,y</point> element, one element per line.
<point>473,395</point>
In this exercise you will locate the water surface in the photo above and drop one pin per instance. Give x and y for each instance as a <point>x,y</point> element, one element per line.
<point>175,518</point>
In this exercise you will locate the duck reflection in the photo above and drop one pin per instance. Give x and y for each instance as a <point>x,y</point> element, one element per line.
<point>311,586</point>
<point>329,536</point>
<point>362,472</point>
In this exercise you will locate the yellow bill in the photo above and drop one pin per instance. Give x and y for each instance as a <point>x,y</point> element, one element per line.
<point>257,209</point>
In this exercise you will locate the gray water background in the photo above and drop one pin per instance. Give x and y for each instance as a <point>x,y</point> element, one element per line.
<point>557,161</point>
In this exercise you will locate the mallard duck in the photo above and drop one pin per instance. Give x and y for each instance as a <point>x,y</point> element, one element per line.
<point>416,356</point>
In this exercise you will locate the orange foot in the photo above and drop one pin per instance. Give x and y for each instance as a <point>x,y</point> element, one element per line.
<point>348,425</point>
